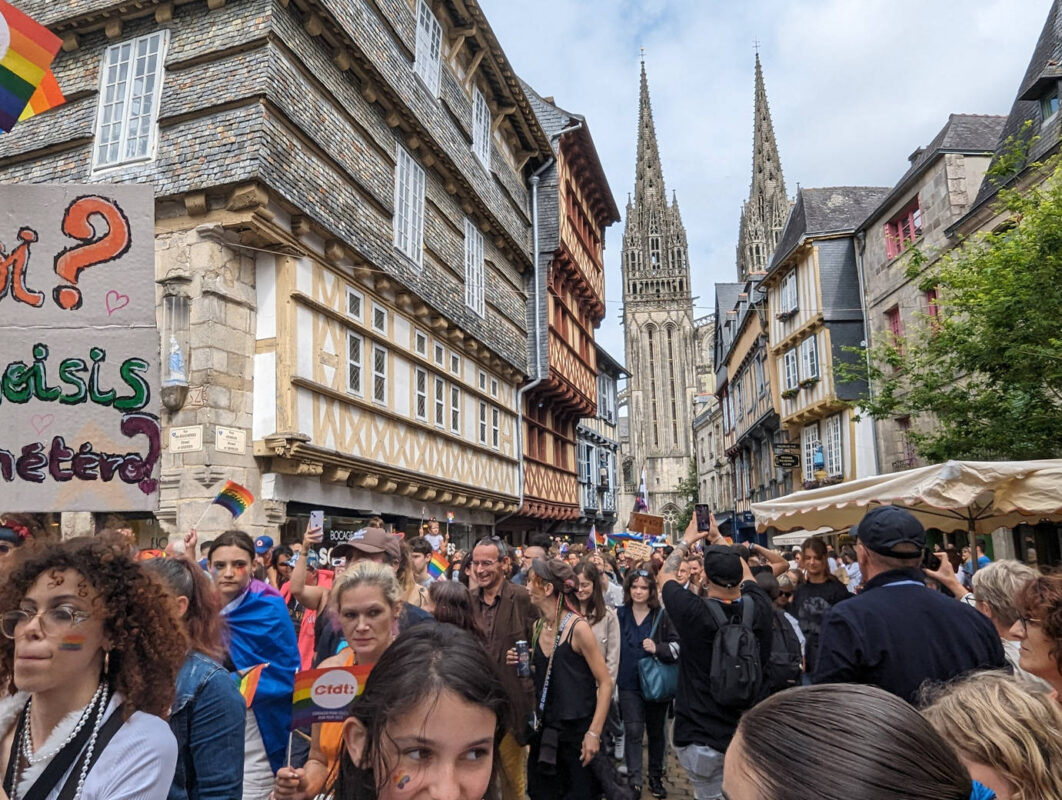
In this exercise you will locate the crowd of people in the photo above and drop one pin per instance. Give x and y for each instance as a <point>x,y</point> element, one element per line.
<point>543,671</point>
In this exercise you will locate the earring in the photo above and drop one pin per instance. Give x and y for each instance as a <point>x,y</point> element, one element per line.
<point>106,662</point>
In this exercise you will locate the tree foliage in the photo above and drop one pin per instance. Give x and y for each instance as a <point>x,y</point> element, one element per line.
<point>687,488</point>
<point>987,370</point>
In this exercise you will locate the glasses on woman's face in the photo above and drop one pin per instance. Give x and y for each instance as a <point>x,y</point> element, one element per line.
<point>1025,623</point>
<point>53,621</point>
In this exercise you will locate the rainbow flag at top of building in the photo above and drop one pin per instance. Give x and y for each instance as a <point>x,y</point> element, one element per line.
<point>27,50</point>
<point>233,497</point>
<point>325,695</point>
<point>248,681</point>
<point>438,565</point>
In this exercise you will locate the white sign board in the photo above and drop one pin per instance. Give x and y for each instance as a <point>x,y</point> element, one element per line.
<point>79,349</point>
<point>188,439</point>
<point>230,440</point>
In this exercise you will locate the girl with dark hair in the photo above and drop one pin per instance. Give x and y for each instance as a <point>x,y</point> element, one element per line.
<point>814,597</point>
<point>645,632</point>
<point>602,619</point>
<point>90,651</point>
<point>452,602</point>
<point>208,714</point>
<point>572,687</point>
<point>890,751</point>
<point>428,723</point>
<point>261,639</point>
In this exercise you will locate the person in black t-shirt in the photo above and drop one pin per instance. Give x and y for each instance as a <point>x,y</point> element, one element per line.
<point>813,598</point>
<point>704,727</point>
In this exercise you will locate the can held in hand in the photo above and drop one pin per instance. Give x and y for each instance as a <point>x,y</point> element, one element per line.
<point>523,659</point>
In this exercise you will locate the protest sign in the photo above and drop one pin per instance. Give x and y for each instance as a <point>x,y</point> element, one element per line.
<point>324,695</point>
<point>79,349</point>
<point>649,524</point>
<point>639,551</point>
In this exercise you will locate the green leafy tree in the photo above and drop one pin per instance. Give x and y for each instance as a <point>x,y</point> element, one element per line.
<point>987,370</point>
<point>687,488</point>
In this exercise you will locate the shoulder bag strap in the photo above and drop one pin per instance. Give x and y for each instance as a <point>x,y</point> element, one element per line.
<point>716,612</point>
<point>656,621</point>
<point>748,612</point>
<point>103,738</point>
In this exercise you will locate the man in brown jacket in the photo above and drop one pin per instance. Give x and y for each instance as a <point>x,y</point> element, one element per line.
<point>505,614</point>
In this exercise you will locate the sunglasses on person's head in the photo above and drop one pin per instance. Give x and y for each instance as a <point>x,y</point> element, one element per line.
<point>641,573</point>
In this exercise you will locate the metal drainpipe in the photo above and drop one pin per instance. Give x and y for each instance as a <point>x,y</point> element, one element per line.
<point>537,325</point>
<point>860,248</point>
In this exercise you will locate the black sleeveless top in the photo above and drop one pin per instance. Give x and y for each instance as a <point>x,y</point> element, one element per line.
<point>572,686</point>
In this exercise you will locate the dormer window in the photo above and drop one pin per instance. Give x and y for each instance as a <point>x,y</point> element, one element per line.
<point>1049,103</point>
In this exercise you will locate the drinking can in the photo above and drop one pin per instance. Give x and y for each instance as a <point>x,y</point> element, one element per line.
<point>523,659</point>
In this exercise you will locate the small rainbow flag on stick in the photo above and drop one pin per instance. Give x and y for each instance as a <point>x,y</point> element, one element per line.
<point>248,683</point>
<point>47,96</point>
<point>27,50</point>
<point>325,695</point>
<point>233,498</point>
<point>438,565</point>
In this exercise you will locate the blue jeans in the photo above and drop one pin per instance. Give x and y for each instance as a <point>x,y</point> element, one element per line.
<point>640,717</point>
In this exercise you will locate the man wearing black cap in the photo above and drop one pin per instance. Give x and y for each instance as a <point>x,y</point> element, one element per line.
<point>898,634</point>
<point>703,725</point>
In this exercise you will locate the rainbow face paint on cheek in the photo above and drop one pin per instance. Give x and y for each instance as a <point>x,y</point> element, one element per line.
<point>72,642</point>
<point>400,783</point>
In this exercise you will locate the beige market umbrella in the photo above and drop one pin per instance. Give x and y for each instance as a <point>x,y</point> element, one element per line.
<point>974,496</point>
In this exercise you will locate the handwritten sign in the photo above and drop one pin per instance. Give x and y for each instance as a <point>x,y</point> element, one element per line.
<point>79,349</point>
<point>649,524</point>
<point>639,551</point>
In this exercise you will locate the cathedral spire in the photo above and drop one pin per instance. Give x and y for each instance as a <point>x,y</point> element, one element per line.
<point>766,210</point>
<point>649,178</point>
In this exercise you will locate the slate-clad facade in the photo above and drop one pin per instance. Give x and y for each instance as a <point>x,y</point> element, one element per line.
<point>358,276</point>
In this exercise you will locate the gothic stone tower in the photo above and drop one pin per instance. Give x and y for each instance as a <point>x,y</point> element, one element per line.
<point>767,208</point>
<point>658,323</point>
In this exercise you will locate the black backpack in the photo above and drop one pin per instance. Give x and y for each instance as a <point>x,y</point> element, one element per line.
<point>736,675</point>
<point>786,661</point>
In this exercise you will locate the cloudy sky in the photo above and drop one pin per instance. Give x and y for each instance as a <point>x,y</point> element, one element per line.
<point>854,87</point>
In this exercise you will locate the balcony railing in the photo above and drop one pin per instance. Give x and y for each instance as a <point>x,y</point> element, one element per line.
<point>596,499</point>
<point>589,495</point>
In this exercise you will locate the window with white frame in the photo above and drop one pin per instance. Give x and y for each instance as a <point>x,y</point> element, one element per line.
<point>455,363</point>
<point>759,375</point>
<point>474,268</point>
<point>420,385</point>
<point>792,373</point>
<point>789,292</point>
<point>810,440</point>
<point>831,449</point>
<point>495,428</point>
<point>354,361</point>
<point>480,127</point>
<point>379,318</point>
<point>455,409</point>
<point>809,358</point>
<point>440,402</point>
<point>379,373</point>
<point>409,205</point>
<point>440,354</point>
<point>355,304</point>
<point>482,422</point>
<point>606,398</point>
<point>482,381</point>
<point>130,92</point>
<point>493,387</point>
<point>739,402</point>
<point>428,57</point>
<point>420,343</point>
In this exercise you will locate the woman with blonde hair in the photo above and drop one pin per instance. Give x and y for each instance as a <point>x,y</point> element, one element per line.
<point>1006,733</point>
<point>368,600</point>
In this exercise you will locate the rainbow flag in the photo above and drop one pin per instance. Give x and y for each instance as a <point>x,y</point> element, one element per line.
<point>47,97</point>
<point>248,682</point>
<point>438,565</point>
<point>233,498</point>
<point>27,50</point>
<point>449,517</point>
<point>325,695</point>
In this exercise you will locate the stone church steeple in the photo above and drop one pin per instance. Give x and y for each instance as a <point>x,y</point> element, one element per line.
<point>767,208</point>
<point>658,330</point>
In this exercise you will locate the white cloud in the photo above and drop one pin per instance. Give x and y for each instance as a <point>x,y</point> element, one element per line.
<point>854,86</point>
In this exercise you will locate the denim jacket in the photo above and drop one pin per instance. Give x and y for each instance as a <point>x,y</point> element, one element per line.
<point>208,718</point>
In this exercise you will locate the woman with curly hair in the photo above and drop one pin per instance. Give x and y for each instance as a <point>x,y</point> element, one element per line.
<point>90,651</point>
<point>572,687</point>
<point>1039,629</point>
<point>1007,733</point>
<point>208,714</point>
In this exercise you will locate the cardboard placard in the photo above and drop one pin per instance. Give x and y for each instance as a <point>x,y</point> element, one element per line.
<point>639,551</point>
<point>649,524</point>
<point>79,349</point>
